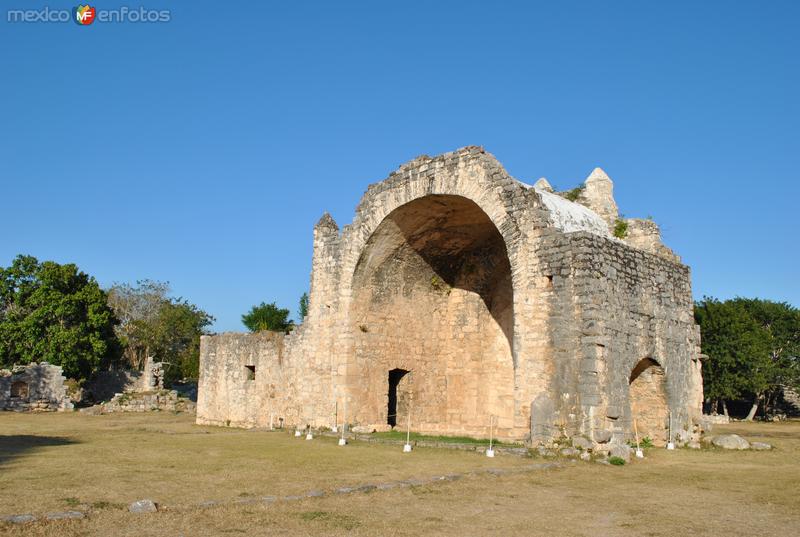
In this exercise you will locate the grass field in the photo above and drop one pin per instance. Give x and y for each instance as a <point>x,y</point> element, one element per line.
<point>99,464</point>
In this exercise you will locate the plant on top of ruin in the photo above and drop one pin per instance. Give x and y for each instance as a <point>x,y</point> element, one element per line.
<point>574,194</point>
<point>620,228</point>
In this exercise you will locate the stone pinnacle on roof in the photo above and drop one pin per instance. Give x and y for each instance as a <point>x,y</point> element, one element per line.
<point>598,195</point>
<point>327,221</point>
<point>598,175</point>
<point>543,184</point>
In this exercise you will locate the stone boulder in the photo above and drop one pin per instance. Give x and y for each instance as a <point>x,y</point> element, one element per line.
<point>730,441</point>
<point>569,452</point>
<point>143,506</point>
<point>623,451</point>
<point>760,446</point>
<point>601,436</point>
<point>582,443</point>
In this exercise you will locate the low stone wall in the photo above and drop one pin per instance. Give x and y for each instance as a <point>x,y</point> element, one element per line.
<point>160,400</point>
<point>33,388</point>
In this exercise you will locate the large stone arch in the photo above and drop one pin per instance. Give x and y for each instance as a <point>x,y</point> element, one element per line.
<point>432,295</point>
<point>470,183</point>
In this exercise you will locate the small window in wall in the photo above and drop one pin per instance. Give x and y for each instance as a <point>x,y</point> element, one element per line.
<point>251,372</point>
<point>19,389</point>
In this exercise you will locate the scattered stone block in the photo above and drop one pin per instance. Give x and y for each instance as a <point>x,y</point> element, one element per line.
<point>143,506</point>
<point>602,436</point>
<point>760,446</point>
<point>582,443</point>
<point>65,515</point>
<point>730,441</point>
<point>623,451</point>
<point>20,519</point>
<point>569,452</point>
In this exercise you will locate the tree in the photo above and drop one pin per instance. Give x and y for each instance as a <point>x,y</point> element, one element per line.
<point>177,330</point>
<point>55,313</point>
<point>267,317</point>
<point>753,347</point>
<point>780,324</point>
<point>138,308</point>
<point>303,311</point>
<point>153,324</point>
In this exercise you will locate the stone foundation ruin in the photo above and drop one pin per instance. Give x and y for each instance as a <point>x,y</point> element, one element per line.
<point>459,296</point>
<point>34,387</point>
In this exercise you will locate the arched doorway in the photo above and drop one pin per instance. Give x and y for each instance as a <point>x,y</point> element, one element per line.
<point>399,397</point>
<point>648,400</point>
<point>432,293</point>
<point>19,389</point>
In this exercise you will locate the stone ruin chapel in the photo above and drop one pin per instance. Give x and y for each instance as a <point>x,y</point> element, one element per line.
<point>460,296</point>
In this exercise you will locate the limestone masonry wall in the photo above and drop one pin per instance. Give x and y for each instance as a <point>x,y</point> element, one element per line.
<point>34,387</point>
<point>461,297</point>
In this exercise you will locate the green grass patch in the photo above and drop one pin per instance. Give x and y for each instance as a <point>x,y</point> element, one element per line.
<point>107,505</point>
<point>401,435</point>
<point>332,520</point>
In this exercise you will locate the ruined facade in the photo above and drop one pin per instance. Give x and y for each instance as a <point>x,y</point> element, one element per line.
<point>34,387</point>
<point>459,297</point>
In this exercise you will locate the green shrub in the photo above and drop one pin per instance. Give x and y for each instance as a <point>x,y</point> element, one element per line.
<point>574,194</point>
<point>620,228</point>
<point>617,461</point>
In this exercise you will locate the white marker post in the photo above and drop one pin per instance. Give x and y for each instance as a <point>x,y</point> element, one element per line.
<point>407,446</point>
<point>342,441</point>
<point>490,451</point>
<point>670,443</point>
<point>297,433</point>
<point>309,436</point>
<point>639,452</point>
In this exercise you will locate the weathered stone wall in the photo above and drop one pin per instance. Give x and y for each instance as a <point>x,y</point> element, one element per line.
<point>633,305</point>
<point>503,302</point>
<point>244,380</point>
<point>34,387</point>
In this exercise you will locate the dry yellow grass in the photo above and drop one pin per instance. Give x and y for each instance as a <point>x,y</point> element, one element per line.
<point>122,458</point>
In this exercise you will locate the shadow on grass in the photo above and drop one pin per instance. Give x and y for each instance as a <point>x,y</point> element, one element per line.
<point>16,445</point>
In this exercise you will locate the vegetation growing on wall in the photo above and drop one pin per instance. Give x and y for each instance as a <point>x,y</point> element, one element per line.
<point>574,194</point>
<point>620,228</point>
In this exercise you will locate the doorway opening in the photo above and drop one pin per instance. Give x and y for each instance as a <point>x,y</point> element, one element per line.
<point>648,400</point>
<point>395,376</point>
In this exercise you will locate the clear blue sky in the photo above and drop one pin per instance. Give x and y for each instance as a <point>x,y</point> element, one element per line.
<point>203,150</point>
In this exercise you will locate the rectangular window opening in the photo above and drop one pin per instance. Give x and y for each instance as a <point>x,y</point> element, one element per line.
<point>251,372</point>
